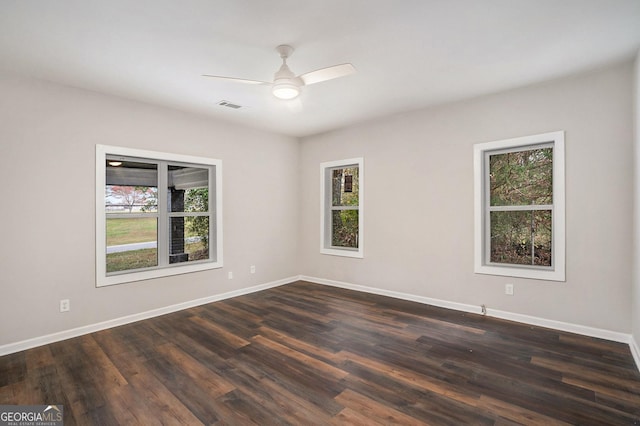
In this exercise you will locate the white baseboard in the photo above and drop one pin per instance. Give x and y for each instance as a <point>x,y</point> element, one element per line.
<point>86,329</point>
<point>562,326</point>
<point>404,296</point>
<point>526,319</point>
<point>635,351</point>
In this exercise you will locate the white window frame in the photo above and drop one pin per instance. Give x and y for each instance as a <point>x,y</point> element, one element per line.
<point>556,272</point>
<point>162,270</point>
<point>326,208</point>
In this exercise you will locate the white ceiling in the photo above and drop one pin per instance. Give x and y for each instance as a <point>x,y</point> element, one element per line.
<point>409,53</point>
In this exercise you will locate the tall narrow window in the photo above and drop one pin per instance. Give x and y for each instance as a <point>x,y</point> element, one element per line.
<point>520,207</point>
<point>157,214</point>
<point>342,213</point>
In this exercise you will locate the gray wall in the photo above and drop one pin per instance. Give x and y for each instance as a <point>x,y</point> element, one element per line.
<point>47,169</point>
<point>419,202</point>
<point>419,199</point>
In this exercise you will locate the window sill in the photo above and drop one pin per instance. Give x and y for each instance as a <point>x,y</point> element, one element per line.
<point>521,272</point>
<point>343,252</point>
<point>127,277</point>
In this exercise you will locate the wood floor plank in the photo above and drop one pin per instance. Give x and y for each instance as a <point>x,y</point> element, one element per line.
<point>39,357</point>
<point>102,367</point>
<point>352,417</point>
<point>187,392</point>
<point>419,323</point>
<point>311,362</point>
<point>231,320</point>
<point>412,379</point>
<point>13,368</point>
<point>301,346</point>
<point>516,413</point>
<point>294,375</point>
<point>231,339</point>
<point>624,395</point>
<point>428,407</point>
<point>152,401</point>
<point>214,385</point>
<point>13,392</point>
<point>263,389</point>
<point>628,384</point>
<point>290,307</point>
<point>375,411</point>
<point>307,354</point>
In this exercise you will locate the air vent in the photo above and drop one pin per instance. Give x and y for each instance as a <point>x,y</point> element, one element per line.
<point>229,105</point>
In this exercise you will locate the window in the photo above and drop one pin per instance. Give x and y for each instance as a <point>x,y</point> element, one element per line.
<point>519,207</point>
<point>342,213</point>
<point>157,214</point>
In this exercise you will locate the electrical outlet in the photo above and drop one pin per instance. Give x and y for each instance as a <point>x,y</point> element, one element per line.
<point>65,305</point>
<point>253,269</point>
<point>508,289</point>
<point>230,275</point>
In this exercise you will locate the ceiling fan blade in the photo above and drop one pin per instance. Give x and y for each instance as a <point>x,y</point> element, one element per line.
<point>239,80</point>
<point>328,73</point>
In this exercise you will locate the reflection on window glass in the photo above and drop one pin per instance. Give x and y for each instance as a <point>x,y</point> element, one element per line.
<point>189,239</point>
<point>189,201</point>
<point>131,187</point>
<point>344,225</point>
<point>189,189</point>
<point>521,178</point>
<point>344,186</point>
<point>521,237</point>
<point>131,243</point>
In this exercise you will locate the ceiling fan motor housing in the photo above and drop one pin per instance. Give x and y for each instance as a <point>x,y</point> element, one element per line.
<point>285,83</point>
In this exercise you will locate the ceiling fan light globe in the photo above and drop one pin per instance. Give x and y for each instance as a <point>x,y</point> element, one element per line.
<point>285,90</point>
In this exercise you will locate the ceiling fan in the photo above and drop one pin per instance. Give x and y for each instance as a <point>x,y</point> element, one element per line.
<point>286,85</point>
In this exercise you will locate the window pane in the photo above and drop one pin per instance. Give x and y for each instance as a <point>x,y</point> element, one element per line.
<point>131,187</point>
<point>131,243</point>
<point>522,178</point>
<point>521,237</point>
<point>344,226</point>
<point>189,239</point>
<point>344,186</point>
<point>189,189</point>
<point>196,200</point>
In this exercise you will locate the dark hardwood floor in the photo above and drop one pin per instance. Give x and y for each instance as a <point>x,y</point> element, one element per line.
<point>306,354</point>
